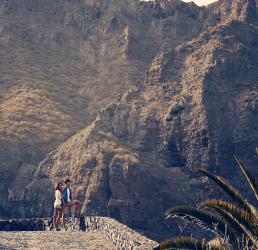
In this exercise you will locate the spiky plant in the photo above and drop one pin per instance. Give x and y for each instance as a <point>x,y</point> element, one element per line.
<point>240,220</point>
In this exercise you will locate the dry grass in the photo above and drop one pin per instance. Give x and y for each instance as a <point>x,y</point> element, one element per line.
<point>123,150</point>
<point>40,103</point>
<point>45,86</point>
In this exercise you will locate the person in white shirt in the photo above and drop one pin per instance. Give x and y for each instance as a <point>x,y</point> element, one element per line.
<point>58,205</point>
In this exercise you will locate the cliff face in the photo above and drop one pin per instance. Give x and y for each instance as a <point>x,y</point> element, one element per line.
<point>196,107</point>
<point>61,61</point>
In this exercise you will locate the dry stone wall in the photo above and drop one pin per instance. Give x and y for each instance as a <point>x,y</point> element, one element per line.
<point>120,235</point>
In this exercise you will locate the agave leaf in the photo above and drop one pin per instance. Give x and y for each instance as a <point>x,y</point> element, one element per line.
<point>239,221</point>
<point>232,192</point>
<point>187,243</point>
<point>203,218</point>
<point>251,179</point>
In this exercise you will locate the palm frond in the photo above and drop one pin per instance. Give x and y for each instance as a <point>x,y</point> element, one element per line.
<point>168,244</point>
<point>186,243</point>
<point>240,215</point>
<point>239,221</point>
<point>232,192</point>
<point>202,218</point>
<point>251,179</point>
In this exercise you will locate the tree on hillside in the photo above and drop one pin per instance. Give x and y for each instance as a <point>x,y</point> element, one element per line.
<point>234,225</point>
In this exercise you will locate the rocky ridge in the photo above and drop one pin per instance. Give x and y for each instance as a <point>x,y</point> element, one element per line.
<point>196,108</point>
<point>62,61</point>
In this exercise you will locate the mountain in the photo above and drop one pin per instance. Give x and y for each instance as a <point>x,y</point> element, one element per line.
<point>195,107</point>
<point>61,61</point>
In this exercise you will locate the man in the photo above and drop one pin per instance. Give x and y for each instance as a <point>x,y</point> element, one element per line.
<point>68,201</point>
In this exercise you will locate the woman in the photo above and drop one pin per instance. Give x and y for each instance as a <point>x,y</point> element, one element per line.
<point>58,205</point>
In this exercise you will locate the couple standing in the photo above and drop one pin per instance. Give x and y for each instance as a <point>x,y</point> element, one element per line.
<point>64,200</point>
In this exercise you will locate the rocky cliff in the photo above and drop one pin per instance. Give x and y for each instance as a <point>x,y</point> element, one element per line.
<point>61,61</point>
<point>197,107</point>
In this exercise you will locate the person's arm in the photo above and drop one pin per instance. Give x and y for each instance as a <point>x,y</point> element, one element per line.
<point>63,199</point>
<point>63,202</point>
<point>59,196</point>
<point>71,194</point>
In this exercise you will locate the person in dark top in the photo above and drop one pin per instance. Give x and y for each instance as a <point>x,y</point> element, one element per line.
<point>68,201</point>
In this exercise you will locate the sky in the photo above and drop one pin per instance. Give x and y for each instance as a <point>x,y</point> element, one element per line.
<point>198,2</point>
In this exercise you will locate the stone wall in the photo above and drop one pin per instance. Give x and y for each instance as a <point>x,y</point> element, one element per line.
<point>122,236</point>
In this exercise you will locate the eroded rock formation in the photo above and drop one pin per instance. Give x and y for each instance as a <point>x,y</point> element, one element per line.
<point>197,107</point>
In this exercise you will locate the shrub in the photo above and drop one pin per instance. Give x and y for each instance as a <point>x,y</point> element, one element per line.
<point>234,225</point>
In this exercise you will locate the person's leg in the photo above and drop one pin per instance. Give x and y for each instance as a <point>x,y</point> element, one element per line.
<point>55,215</point>
<point>59,216</point>
<point>78,204</point>
<point>63,220</point>
<point>63,217</point>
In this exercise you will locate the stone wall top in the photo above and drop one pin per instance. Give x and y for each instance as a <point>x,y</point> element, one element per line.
<point>120,235</point>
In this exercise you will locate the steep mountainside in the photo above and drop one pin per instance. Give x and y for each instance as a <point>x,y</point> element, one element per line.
<point>60,61</point>
<point>197,107</point>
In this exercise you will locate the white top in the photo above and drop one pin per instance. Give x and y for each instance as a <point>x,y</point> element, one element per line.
<point>68,194</point>
<point>58,200</point>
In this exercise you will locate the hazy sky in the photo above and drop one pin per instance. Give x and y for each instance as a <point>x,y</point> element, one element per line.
<point>200,2</point>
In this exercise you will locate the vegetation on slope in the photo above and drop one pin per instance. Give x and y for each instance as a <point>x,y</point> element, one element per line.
<point>234,225</point>
<point>39,97</point>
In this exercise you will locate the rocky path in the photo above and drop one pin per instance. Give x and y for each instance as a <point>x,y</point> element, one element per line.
<point>54,240</point>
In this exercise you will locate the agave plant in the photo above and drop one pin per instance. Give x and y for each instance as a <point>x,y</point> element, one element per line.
<point>234,225</point>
